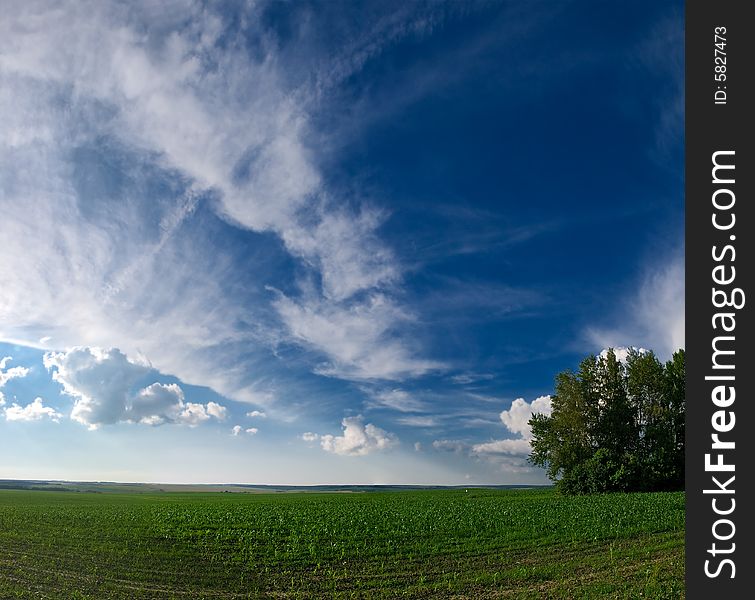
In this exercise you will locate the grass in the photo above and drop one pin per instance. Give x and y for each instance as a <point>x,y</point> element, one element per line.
<point>409,544</point>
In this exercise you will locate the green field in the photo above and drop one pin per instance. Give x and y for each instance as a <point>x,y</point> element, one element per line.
<point>408,544</point>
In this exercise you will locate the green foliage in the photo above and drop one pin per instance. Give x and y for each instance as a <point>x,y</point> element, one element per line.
<point>615,426</point>
<point>418,544</point>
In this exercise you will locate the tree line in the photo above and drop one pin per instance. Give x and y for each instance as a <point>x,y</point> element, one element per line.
<point>615,425</point>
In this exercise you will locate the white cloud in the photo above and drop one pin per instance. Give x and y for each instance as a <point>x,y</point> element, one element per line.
<point>508,455</point>
<point>358,439</point>
<point>34,411</point>
<point>622,353</point>
<point>191,414</point>
<point>216,410</point>
<point>467,378</point>
<point>516,447</point>
<point>141,91</point>
<point>308,436</point>
<point>256,414</point>
<point>654,316</point>
<point>418,446</point>
<point>237,430</point>
<point>155,405</point>
<point>456,446</point>
<point>347,251</point>
<point>11,373</point>
<point>516,419</point>
<point>418,421</point>
<point>102,381</point>
<point>358,339</point>
<point>396,399</point>
<point>164,403</point>
<point>99,379</point>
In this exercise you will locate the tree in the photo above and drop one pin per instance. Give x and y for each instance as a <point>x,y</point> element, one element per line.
<point>614,426</point>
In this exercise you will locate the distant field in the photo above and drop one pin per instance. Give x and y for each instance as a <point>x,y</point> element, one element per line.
<point>406,544</point>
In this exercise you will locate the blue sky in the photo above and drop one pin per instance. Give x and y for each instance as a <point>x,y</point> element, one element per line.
<point>326,242</point>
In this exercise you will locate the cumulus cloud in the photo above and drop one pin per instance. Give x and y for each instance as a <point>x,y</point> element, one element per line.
<point>216,410</point>
<point>160,403</point>
<point>99,379</point>
<point>516,447</point>
<point>102,381</point>
<point>120,123</point>
<point>358,439</point>
<point>237,430</point>
<point>256,414</point>
<point>508,455</point>
<point>308,436</point>
<point>35,411</point>
<point>12,373</point>
<point>516,419</point>
<point>622,353</point>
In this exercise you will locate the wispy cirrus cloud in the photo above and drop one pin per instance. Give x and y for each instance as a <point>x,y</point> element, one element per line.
<point>653,316</point>
<point>396,399</point>
<point>305,208</point>
<point>113,154</point>
<point>419,421</point>
<point>359,340</point>
<point>457,446</point>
